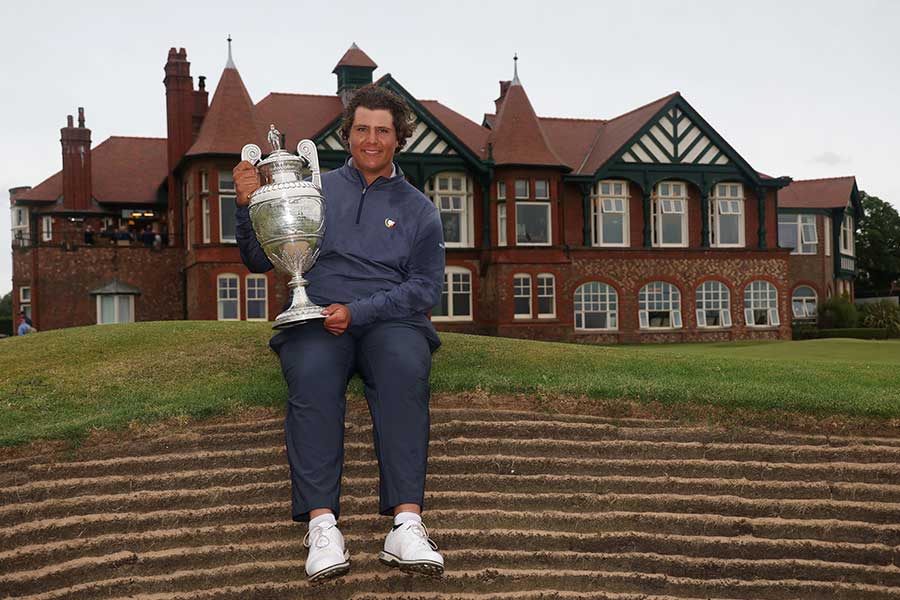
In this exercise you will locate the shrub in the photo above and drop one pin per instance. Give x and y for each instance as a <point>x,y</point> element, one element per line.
<point>808,333</point>
<point>837,313</point>
<point>6,325</point>
<point>882,315</point>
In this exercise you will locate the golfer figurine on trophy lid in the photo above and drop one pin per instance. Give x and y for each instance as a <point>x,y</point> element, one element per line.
<point>288,216</point>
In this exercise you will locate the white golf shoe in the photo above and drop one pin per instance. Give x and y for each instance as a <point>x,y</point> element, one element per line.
<point>327,556</point>
<point>409,548</point>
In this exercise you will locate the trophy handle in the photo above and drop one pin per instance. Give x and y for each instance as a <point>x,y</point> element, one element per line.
<point>251,153</point>
<point>307,151</point>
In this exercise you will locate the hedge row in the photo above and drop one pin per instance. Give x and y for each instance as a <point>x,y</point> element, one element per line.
<point>6,325</point>
<point>859,333</point>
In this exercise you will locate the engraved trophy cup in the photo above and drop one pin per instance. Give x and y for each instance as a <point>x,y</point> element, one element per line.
<point>288,216</point>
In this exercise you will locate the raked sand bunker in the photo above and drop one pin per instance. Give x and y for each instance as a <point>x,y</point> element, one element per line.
<point>523,504</point>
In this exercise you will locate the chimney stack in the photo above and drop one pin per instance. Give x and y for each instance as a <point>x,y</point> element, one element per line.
<point>201,105</point>
<point>180,109</point>
<point>76,154</point>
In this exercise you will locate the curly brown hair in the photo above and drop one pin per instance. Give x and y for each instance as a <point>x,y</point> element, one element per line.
<point>375,97</point>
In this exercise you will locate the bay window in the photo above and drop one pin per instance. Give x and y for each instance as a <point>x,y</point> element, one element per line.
<point>532,223</point>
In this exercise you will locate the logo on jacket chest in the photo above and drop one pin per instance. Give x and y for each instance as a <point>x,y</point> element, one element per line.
<point>389,223</point>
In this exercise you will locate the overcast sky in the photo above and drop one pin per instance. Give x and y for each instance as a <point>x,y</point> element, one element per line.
<point>804,89</point>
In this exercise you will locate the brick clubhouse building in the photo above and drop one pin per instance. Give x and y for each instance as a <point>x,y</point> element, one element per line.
<point>645,227</point>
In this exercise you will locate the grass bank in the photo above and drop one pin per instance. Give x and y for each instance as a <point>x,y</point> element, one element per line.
<point>61,384</point>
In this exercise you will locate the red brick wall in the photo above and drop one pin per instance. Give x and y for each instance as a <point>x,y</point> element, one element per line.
<point>627,271</point>
<point>815,270</point>
<point>62,280</point>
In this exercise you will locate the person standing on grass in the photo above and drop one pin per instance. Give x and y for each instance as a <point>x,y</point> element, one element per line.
<point>380,269</point>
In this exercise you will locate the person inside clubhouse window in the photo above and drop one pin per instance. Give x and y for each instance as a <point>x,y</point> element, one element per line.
<point>380,269</point>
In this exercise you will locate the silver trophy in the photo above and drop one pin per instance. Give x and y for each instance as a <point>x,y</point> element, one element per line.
<point>288,216</point>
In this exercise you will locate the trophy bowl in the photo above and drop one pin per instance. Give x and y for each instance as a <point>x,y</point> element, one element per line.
<point>288,217</point>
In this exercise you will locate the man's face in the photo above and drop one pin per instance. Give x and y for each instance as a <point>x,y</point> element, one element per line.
<point>373,141</point>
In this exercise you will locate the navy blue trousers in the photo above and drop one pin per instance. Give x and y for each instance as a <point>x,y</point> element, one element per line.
<point>393,359</point>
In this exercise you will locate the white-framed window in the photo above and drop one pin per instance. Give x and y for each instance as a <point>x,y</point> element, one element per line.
<point>761,305</point>
<point>228,286</point>
<point>522,189</point>
<point>609,218</point>
<point>726,216</point>
<point>596,307</point>
<point>226,182</point>
<point>452,194</point>
<point>204,182</point>
<point>115,308</point>
<point>24,294</point>
<point>46,228</point>
<point>227,224</point>
<point>546,296</point>
<point>669,215</point>
<point>542,189</point>
<point>26,308</point>
<point>521,296</point>
<point>256,298</point>
<point>798,232</point>
<point>20,226</point>
<point>501,224</point>
<point>227,205</point>
<point>205,220</point>
<point>713,305</point>
<point>828,233</point>
<point>804,302</point>
<point>501,190</point>
<point>659,306</point>
<point>456,297</point>
<point>847,234</point>
<point>532,223</point>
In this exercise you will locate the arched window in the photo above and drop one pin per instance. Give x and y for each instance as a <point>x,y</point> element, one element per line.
<point>596,307</point>
<point>803,302</point>
<point>761,305</point>
<point>456,299</point>
<point>659,306</point>
<point>452,194</point>
<point>713,305</point>
<point>229,292</point>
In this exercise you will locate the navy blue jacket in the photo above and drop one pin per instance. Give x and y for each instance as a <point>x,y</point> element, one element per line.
<point>383,250</point>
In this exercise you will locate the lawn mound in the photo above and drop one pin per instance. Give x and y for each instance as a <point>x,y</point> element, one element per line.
<point>524,504</point>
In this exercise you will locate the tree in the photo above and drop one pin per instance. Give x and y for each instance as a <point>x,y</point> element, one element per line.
<point>878,246</point>
<point>6,305</point>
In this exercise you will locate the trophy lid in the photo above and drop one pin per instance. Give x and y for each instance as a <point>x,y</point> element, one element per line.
<point>279,157</point>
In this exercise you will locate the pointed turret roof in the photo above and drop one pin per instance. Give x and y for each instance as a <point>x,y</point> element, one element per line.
<point>517,135</point>
<point>229,122</point>
<point>354,57</point>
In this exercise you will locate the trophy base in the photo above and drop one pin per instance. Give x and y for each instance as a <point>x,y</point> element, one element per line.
<point>298,315</point>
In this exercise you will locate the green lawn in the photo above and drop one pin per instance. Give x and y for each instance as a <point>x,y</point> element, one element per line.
<point>61,384</point>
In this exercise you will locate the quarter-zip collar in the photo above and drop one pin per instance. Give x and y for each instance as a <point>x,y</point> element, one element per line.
<point>353,174</point>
